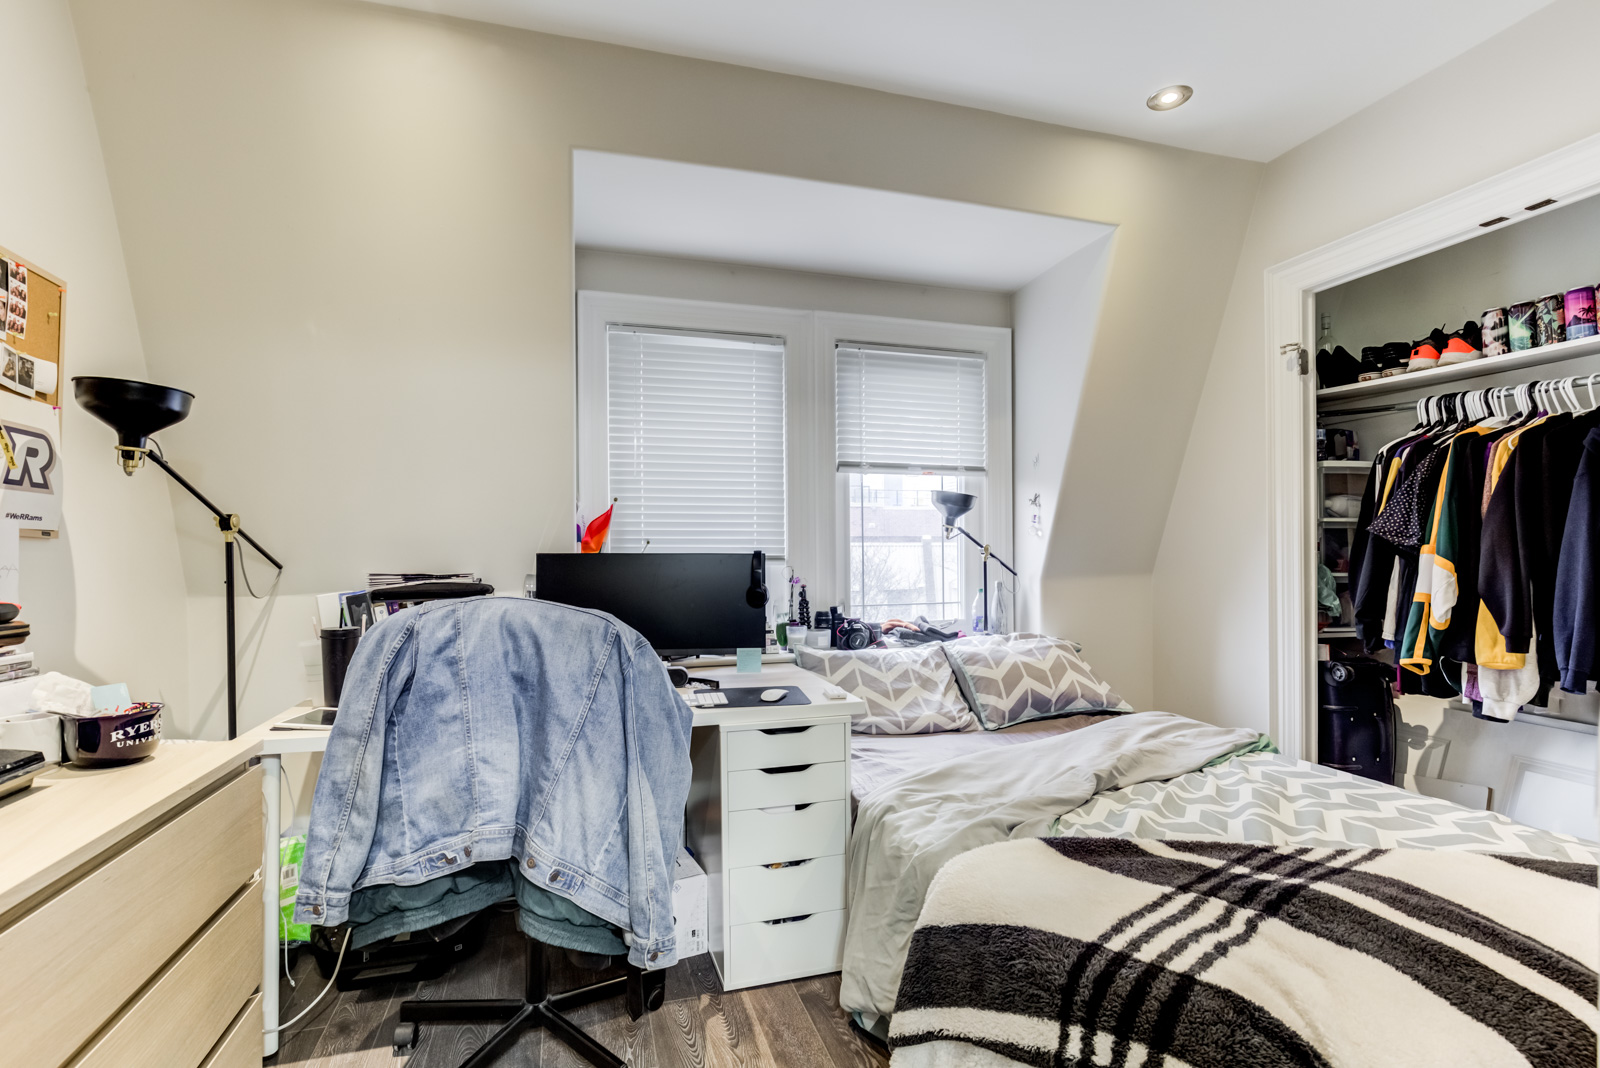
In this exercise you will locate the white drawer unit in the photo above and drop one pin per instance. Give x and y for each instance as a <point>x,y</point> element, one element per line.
<point>800,785</point>
<point>775,791</point>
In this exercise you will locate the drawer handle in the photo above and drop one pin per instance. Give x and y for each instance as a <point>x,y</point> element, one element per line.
<point>786,730</point>
<point>788,769</point>
<point>787,919</point>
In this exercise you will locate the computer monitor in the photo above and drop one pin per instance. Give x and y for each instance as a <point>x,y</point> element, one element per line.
<point>684,604</point>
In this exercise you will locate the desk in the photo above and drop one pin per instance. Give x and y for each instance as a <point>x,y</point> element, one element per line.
<point>273,741</point>
<point>128,909</point>
<point>759,951</point>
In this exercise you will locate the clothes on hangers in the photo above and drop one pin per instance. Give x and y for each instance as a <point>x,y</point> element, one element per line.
<point>1576,604</point>
<point>1457,560</point>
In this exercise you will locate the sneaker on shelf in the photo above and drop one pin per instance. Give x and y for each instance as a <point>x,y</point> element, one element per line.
<point>1396,358</point>
<point>1425,353</point>
<point>1337,368</point>
<point>1371,363</point>
<point>1463,345</point>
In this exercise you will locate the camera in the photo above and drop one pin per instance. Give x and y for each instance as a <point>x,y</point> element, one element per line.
<point>854,634</point>
<point>845,632</point>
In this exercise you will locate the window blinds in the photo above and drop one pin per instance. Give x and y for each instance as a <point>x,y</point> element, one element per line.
<point>899,410</point>
<point>695,427</point>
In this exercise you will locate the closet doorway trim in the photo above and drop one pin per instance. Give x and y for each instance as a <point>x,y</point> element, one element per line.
<point>1567,174</point>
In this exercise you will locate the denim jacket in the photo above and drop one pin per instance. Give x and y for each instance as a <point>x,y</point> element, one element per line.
<point>501,728</point>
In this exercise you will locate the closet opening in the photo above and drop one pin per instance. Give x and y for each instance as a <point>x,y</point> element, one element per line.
<point>1454,397</point>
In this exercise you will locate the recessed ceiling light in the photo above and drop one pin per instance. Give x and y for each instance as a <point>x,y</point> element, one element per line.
<point>1170,97</point>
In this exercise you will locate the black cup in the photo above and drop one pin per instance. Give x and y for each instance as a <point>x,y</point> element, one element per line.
<point>338,646</point>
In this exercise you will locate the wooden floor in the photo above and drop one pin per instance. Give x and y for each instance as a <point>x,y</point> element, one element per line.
<point>786,1025</point>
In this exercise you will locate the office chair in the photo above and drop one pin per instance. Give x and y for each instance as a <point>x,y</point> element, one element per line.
<point>644,992</point>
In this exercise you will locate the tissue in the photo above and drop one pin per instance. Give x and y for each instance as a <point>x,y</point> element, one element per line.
<point>63,695</point>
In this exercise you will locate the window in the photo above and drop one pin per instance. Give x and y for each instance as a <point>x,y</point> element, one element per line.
<point>818,437</point>
<point>901,564</point>
<point>695,433</point>
<point>907,423</point>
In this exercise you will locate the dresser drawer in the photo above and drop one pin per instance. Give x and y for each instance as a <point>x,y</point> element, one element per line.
<point>178,1018</point>
<point>105,935</point>
<point>818,743</point>
<point>810,782</point>
<point>755,837</point>
<point>772,952</point>
<point>762,893</point>
<point>240,1046</point>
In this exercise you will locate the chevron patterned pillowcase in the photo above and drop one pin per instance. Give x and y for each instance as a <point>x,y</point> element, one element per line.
<point>907,691</point>
<point>1022,677</point>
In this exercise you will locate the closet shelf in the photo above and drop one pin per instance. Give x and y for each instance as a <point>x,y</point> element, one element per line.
<point>1511,361</point>
<point>1337,521</point>
<point>1337,632</point>
<point>1337,466</point>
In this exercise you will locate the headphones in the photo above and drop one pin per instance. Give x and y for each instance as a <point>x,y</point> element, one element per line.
<point>756,595</point>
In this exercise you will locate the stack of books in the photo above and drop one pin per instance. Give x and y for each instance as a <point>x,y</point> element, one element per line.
<point>16,664</point>
<point>13,633</point>
<point>389,592</point>
<point>378,579</point>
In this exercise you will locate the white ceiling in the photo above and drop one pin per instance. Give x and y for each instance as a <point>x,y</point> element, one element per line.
<point>685,209</point>
<point>1267,74</point>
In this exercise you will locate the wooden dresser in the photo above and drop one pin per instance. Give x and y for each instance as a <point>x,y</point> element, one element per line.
<point>131,914</point>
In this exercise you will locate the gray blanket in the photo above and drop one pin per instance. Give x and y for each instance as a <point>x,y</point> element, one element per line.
<point>907,830</point>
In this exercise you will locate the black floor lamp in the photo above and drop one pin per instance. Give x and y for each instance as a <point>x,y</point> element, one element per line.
<point>954,506</point>
<point>135,410</point>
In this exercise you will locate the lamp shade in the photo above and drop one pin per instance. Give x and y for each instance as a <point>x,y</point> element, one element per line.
<point>953,505</point>
<point>135,410</point>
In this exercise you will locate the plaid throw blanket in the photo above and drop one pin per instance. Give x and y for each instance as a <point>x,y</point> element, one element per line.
<point>1120,953</point>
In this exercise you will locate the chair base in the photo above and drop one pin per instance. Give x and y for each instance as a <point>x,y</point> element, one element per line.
<point>644,992</point>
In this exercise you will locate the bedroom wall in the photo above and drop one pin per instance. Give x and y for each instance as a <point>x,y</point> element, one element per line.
<point>106,600</point>
<point>348,229</point>
<point>1495,107</point>
<point>610,271</point>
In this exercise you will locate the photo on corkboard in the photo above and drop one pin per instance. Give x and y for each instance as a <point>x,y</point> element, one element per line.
<point>16,371</point>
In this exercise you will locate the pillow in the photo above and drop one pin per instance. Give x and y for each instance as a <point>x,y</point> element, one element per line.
<point>907,691</point>
<point>1017,677</point>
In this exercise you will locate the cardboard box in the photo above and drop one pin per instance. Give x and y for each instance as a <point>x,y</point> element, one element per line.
<point>689,890</point>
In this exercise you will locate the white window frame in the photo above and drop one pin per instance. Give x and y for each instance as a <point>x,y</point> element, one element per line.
<point>818,508</point>
<point>990,519</point>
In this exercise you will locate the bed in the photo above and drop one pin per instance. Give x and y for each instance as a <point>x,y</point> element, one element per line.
<point>1242,796</point>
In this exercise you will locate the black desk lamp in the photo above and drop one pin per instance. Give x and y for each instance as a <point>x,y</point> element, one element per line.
<point>954,506</point>
<point>135,410</point>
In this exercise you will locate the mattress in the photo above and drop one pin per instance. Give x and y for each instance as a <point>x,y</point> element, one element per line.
<point>879,759</point>
<point>1271,799</point>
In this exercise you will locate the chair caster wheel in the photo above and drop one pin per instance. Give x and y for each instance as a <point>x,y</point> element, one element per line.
<point>655,997</point>
<point>405,1039</point>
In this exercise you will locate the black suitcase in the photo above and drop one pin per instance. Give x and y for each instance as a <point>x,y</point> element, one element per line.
<point>1356,717</point>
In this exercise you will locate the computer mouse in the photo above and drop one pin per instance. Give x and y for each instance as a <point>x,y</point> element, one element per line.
<point>774,695</point>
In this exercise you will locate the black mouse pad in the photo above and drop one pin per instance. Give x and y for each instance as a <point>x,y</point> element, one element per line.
<point>750,696</point>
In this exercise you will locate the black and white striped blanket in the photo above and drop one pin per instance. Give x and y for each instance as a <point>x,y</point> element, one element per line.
<point>1122,953</point>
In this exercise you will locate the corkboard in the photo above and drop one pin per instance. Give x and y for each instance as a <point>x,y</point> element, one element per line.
<point>46,295</point>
